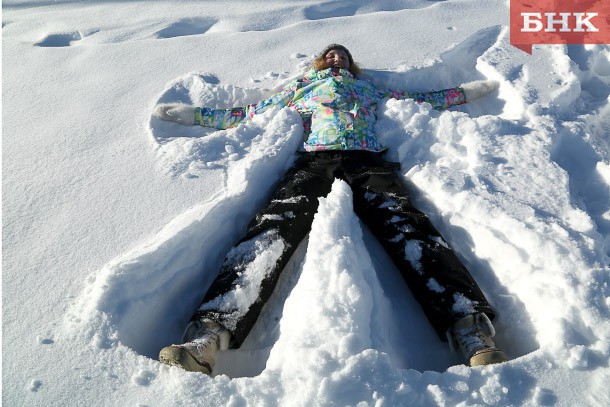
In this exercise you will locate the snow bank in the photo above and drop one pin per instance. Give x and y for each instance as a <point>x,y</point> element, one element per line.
<point>145,296</point>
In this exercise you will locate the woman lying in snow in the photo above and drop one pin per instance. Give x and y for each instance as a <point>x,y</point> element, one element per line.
<point>338,111</point>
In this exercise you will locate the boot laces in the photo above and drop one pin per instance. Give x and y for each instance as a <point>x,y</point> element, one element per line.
<point>473,334</point>
<point>205,335</point>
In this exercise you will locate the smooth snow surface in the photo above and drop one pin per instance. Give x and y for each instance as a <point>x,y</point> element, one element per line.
<point>115,224</point>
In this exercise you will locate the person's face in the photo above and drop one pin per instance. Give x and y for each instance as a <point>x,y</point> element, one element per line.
<point>336,58</point>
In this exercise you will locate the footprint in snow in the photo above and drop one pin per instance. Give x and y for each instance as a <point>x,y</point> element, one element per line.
<point>183,28</point>
<point>347,8</point>
<point>60,39</point>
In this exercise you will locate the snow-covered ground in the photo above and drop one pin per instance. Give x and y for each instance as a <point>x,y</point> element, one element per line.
<point>114,223</point>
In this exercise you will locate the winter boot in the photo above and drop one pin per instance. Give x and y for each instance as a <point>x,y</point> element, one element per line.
<point>203,339</point>
<point>472,336</point>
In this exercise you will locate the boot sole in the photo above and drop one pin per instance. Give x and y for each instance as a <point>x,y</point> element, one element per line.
<point>175,356</point>
<point>488,357</point>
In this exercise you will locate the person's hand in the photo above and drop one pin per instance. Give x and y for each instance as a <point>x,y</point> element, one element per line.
<point>477,89</point>
<point>176,112</point>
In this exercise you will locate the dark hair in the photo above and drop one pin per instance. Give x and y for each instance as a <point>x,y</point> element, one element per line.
<point>320,62</point>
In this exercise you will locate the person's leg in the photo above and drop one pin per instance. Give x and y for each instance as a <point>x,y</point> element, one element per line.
<point>438,280</point>
<point>252,268</point>
<point>250,271</point>
<point>449,296</point>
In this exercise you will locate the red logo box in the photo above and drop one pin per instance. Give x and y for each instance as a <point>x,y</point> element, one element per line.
<point>559,22</point>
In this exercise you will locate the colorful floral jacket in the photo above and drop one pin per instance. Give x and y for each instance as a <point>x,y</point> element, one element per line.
<point>338,109</point>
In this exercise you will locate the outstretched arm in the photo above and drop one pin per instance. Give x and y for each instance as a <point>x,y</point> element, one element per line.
<point>215,118</point>
<point>443,99</point>
<point>222,118</point>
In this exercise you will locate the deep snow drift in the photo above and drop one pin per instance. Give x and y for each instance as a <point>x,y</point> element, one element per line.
<point>115,223</point>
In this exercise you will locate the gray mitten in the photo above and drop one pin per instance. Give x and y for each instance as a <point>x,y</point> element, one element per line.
<point>176,112</point>
<point>477,89</point>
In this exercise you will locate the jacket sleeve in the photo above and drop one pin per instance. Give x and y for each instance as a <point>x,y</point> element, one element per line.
<point>226,118</point>
<point>440,99</point>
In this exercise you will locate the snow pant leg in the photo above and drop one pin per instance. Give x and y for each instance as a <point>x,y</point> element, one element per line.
<point>438,280</point>
<point>252,268</point>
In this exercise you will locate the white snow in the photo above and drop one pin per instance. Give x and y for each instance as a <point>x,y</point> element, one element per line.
<point>267,249</point>
<point>435,286</point>
<point>413,253</point>
<point>115,224</point>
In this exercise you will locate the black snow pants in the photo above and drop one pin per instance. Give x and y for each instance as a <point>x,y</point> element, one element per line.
<point>438,280</point>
